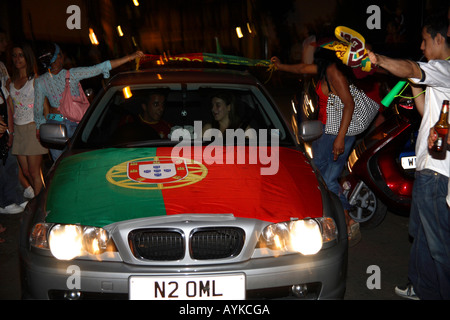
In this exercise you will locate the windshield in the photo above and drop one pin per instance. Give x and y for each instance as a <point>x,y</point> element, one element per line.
<point>146,115</point>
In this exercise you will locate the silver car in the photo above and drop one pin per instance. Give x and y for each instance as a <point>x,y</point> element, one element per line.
<point>176,207</point>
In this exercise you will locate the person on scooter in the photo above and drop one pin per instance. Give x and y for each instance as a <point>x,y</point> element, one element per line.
<point>331,151</point>
<point>429,265</point>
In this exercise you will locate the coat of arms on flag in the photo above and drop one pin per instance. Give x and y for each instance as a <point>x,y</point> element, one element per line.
<point>157,171</point>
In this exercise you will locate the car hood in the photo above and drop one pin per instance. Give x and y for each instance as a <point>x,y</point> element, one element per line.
<point>105,186</point>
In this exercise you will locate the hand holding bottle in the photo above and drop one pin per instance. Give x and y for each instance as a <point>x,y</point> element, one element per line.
<point>438,138</point>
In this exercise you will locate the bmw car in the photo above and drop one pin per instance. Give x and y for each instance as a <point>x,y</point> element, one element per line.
<point>184,210</point>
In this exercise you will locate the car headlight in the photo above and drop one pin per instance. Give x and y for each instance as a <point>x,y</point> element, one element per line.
<point>67,241</point>
<point>305,236</point>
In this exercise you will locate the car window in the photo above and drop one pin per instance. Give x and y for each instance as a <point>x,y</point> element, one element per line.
<point>121,117</point>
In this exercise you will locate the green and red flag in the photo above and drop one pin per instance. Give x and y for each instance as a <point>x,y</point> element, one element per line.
<point>101,187</point>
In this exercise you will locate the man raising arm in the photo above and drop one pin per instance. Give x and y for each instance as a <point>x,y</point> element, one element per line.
<point>429,265</point>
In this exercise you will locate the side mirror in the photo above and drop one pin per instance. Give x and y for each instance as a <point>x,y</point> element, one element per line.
<point>53,134</point>
<point>310,130</point>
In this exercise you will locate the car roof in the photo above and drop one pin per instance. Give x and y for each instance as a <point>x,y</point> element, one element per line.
<point>182,75</point>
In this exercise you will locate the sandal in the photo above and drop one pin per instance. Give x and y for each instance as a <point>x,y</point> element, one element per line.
<point>354,235</point>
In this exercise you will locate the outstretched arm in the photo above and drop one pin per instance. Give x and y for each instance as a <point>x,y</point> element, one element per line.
<point>398,67</point>
<point>118,62</point>
<point>80,73</point>
<point>300,68</point>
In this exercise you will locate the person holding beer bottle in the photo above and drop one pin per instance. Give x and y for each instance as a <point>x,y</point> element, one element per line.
<point>429,225</point>
<point>438,138</point>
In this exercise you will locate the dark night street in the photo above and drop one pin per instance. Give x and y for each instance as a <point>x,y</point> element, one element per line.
<point>258,36</point>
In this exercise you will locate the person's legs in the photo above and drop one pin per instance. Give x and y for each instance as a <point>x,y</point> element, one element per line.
<point>335,168</point>
<point>23,181</point>
<point>71,127</point>
<point>322,150</point>
<point>10,190</point>
<point>429,266</point>
<point>331,170</point>
<point>35,170</point>
<point>23,167</point>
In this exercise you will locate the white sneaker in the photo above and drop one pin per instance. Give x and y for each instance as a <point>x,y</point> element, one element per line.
<point>28,192</point>
<point>406,292</point>
<point>11,209</point>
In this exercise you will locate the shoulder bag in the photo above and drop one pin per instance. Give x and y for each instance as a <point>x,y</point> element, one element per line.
<point>365,111</point>
<point>73,108</point>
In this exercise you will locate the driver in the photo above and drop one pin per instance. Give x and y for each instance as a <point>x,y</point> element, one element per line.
<point>152,115</point>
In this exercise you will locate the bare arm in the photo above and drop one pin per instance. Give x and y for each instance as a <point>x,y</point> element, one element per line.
<point>419,101</point>
<point>118,62</point>
<point>300,68</point>
<point>340,86</point>
<point>398,67</point>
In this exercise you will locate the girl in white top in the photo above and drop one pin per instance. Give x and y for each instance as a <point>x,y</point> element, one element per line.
<point>26,146</point>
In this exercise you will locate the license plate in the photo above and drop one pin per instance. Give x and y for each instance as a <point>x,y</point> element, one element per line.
<point>204,287</point>
<point>409,162</point>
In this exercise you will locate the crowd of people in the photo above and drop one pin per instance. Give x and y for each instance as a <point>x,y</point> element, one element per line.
<point>25,95</point>
<point>429,265</point>
<point>27,101</point>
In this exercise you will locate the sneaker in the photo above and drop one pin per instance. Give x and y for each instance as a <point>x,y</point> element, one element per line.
<point>406,292</point>
<point>28,192</point>
<point>23,204</point>
<point>11,209</point>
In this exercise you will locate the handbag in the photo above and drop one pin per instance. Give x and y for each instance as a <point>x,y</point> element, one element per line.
<point>365,111</point>
<point>73,108</point>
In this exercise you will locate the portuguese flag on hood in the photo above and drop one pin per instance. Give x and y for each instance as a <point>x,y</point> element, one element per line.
<point>101,187</point>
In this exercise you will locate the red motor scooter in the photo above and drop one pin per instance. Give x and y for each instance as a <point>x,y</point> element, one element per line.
<point>381,167</point>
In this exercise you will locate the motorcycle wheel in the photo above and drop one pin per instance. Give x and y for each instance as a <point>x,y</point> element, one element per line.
<point>366,208</point>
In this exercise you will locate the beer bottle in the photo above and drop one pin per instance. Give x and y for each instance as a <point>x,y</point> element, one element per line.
<point>439,149</point>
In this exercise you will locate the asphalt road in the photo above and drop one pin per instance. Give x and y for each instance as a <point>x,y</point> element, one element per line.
<point>380,261</point>
<point>376,265</point>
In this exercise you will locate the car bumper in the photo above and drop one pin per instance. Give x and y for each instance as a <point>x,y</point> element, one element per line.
<point>324,275</point>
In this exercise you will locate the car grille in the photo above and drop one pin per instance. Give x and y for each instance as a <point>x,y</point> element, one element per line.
<point>204,243</point>
<point>157,244</point>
